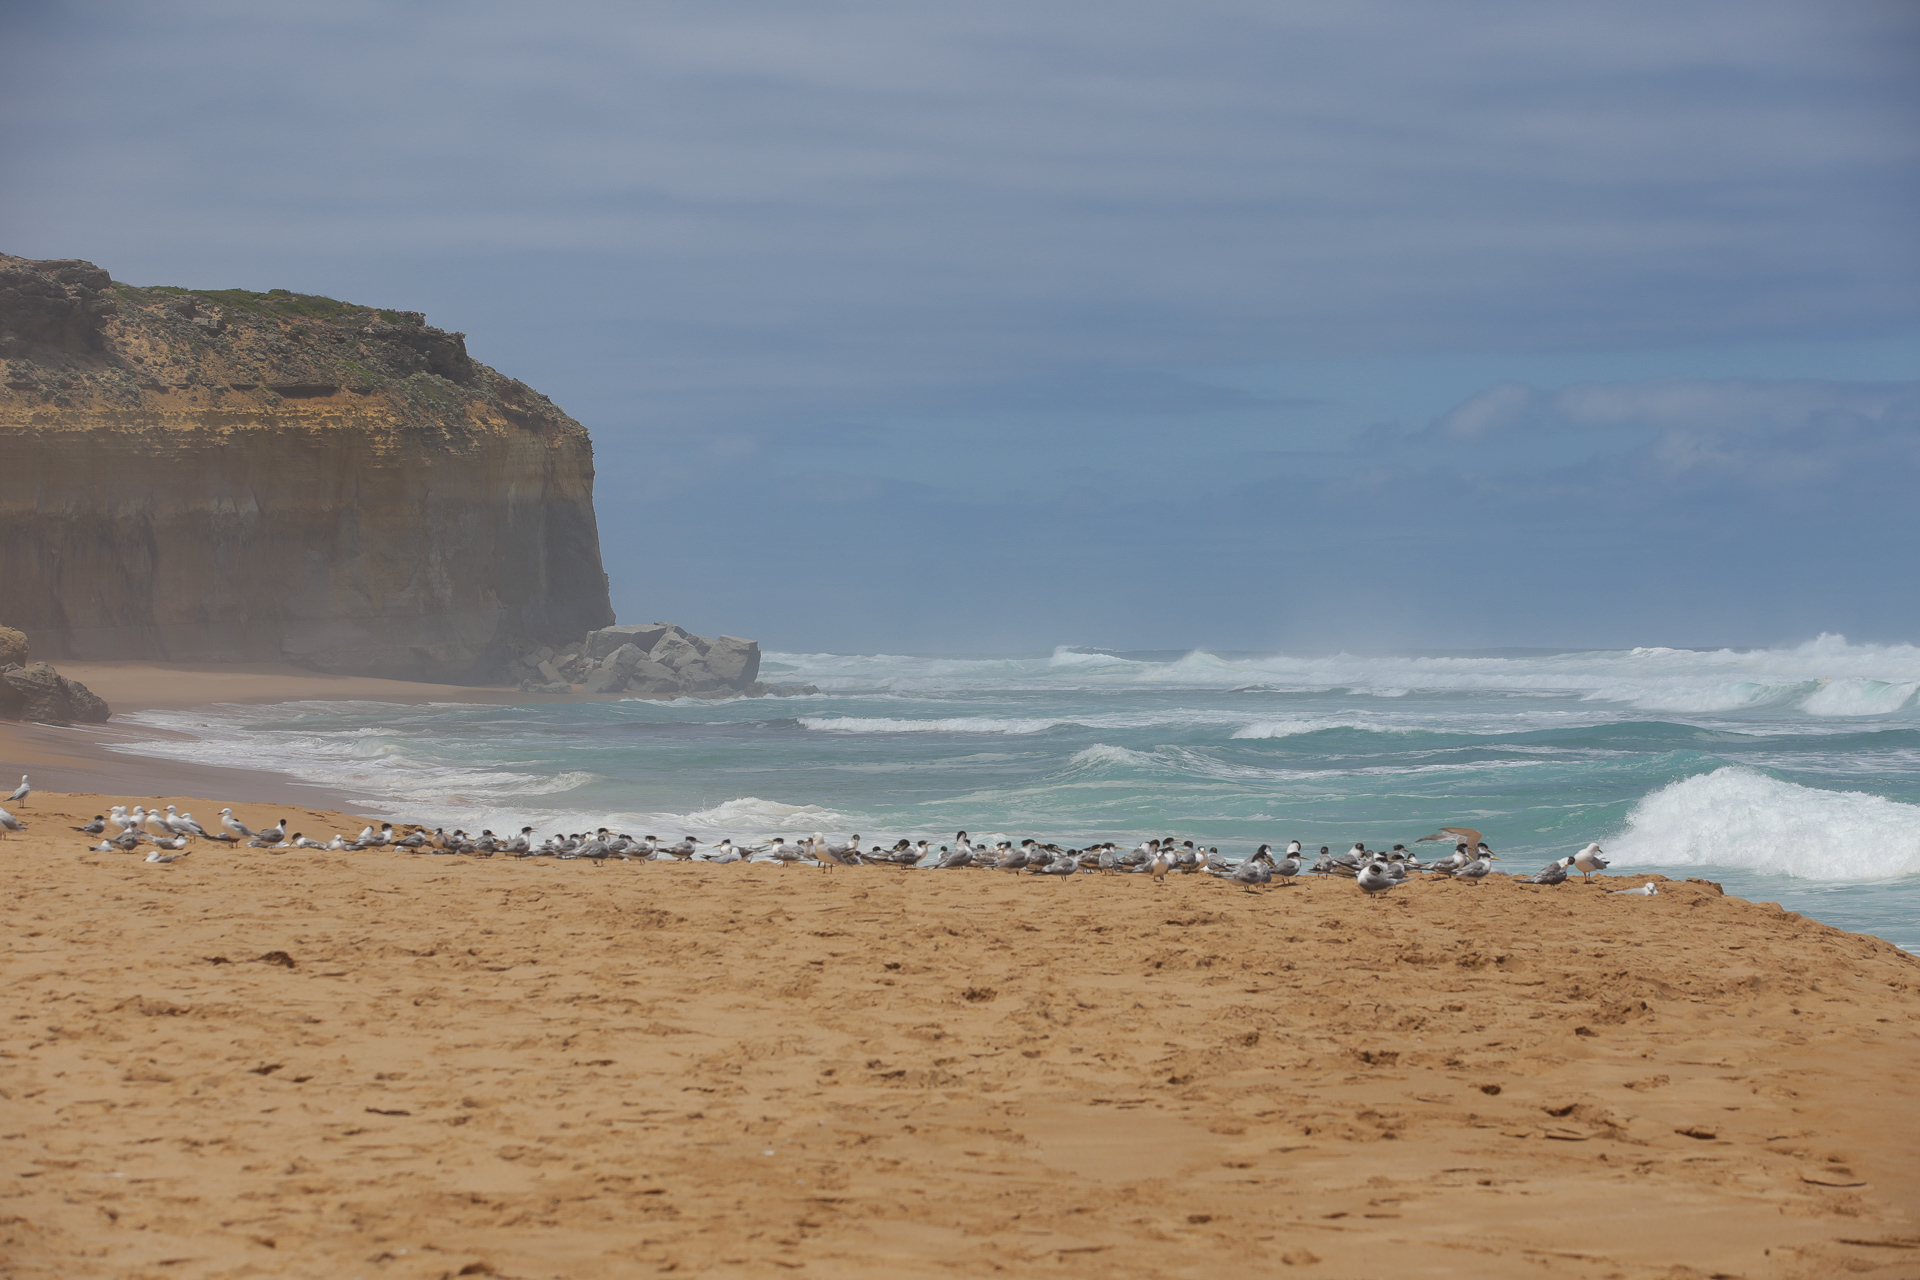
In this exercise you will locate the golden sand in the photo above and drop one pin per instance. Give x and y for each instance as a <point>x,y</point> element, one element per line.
<point>387,1065</point>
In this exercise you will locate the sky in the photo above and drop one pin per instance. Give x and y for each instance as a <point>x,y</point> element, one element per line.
<point>985,328</point>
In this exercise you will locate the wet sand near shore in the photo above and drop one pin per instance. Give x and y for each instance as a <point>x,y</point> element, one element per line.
<point>78,758</point>
<point>145,686</point>
<point>378,1064</point>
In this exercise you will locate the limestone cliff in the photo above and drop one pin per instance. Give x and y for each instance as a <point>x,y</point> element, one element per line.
<point>218,475</point>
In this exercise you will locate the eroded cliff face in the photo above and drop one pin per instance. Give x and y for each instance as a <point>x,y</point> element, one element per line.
<point>230,476</point>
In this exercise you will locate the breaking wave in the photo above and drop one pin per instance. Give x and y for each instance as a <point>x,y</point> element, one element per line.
<point>1823,677</point>
<point>1295,728</point>
<point>1739,817</point>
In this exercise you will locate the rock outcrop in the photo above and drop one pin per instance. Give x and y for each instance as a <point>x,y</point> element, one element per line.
<point>218,475</point>
<point>37,692</point>
<point>658,660</point>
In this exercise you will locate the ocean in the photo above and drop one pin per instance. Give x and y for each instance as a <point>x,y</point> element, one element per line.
<point>1789,775</point>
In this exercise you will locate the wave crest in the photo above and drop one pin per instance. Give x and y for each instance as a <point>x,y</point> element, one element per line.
<point>1295,728</point>
<point>951,724</point>
<point>1823,677</point>
<point>1739,817</point>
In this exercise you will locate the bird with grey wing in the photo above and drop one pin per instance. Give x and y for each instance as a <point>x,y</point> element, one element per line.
<point>1553,873</point>
<point>1477,870</point>
<point>1588,860</point>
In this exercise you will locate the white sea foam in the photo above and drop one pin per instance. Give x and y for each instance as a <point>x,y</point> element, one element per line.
<point>1737,817</point>
<point>1171,718</point>
<point>1855,697</point>
<point>384,761</point>
<point>1823,677</point>
<point>377,761</point>
<point>1295,728</point>
<point>1193,763</point>
<point>1101,753</point>
<point>745,818</point>
<point>949,724</point>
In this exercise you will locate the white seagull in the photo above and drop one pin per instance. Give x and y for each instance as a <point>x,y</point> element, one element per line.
<point>827,855</point>
<point>1590,861</point>
<point>21,792</point>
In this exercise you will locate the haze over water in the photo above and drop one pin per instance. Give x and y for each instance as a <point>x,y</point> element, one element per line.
<point>1789,774</point>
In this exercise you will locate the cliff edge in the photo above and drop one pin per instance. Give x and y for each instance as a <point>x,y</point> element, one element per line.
<point>220,475</point>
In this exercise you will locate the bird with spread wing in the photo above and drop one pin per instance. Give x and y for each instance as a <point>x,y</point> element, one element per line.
<point>1459,835</point>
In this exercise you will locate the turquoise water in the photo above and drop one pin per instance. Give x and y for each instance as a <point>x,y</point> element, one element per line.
<point>1790,775</point>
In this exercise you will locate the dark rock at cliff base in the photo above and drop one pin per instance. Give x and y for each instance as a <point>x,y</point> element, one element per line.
<point>733,660</point>
<point>38,692</point>
<point>647,670</point>
<point>625,658</point>
<point>603,642</point>
<point>695,678</point>
<point>674,652</point>
<point>604,680</point>
<point>657,660</point>
<point>13,647</point>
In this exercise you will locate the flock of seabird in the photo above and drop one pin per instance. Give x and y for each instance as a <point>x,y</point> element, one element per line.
<point>1375,871</point>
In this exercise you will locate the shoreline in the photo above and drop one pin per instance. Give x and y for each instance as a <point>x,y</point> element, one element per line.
<point>80,758</point>
<point>83,758</point>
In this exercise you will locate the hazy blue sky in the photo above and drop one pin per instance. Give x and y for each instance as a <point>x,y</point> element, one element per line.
<point>986,327</point>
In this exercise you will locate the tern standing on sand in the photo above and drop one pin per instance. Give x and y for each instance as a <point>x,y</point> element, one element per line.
<point>1288,867</point>
<point>1375,878</point>
<point>1476,871</point>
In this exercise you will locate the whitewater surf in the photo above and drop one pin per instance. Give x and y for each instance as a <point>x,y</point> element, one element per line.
<point>1790,774</point>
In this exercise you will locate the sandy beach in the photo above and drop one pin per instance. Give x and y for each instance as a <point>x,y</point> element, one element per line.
<point>1045,461</point>
<point>381,1064</point>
